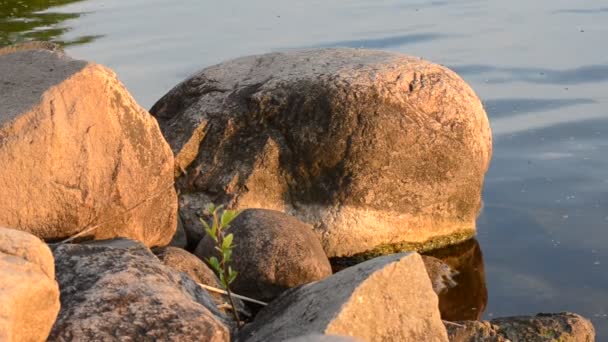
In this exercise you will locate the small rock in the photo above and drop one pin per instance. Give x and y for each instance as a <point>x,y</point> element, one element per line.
<point>118,290</point>
<point>384,299</point>
<point>273,252</point>
<point>29,294</point>
<point>78,152</point>
<point>566,327</point>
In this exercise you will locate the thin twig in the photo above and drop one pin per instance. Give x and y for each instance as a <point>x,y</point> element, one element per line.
<point>215,289</point>
<point>456,324</point>
<point>92,228</point>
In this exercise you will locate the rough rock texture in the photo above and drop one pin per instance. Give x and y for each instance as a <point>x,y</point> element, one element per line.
<point>29,295</point>
<point>34,45</point>
<point>182,261</point>
<point>118,290</point>
<point>384,299</point>
<point>467,299</point>
<point>273,252</point>
<point>323,338</point>
<point>77,152</point>
<point>563,327</point>
<point>370,147</point>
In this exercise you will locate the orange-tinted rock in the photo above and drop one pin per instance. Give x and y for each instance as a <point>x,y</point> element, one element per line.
<point>29,294</point>
<point>77,152</point>
<point>385,299</point>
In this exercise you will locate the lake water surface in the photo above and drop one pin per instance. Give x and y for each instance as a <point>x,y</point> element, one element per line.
<point>541,68</point>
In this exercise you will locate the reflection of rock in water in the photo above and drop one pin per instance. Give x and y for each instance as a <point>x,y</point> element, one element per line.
<point>441,274</point>
<point>28,20</point>
<point>468,299</point>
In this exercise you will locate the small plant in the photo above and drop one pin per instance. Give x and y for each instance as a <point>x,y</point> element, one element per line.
<point>216,229</point>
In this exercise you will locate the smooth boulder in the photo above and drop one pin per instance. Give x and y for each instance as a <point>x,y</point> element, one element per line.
<point>78,154</point>
<point>384,299</point>
<point>118,290</point>
<point>29,294</point>
<point>272,253</point>
<point>563,327</point>
<point>376,150</point>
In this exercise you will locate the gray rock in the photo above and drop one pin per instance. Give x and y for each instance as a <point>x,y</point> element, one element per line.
<point>566,327</point>
<point>371,148</point>
<point>29,294</point>
<point>118,290</point>
<point>384,299</point>
<point>273,252</point>
<point>180,239</point>
<point>182,261</point>
<point>77,152</point>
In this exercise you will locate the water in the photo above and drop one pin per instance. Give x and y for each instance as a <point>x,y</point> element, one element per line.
<point>541,68</point>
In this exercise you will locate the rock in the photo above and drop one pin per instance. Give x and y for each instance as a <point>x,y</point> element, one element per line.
<point>29,294</point>
<point>118,290</point>
<point>322,338</point>
<point>376,150</point>
<point>540,328</point>
<point>180,239</point>
<point>78,153</point>
<point>384,299</point>
<point>273,252</point>
<point>182,261</point>
<point>33,45</point>
<point>467,300</point>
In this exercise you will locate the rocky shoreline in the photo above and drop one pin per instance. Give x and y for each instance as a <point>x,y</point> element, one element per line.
<point>342,162</point>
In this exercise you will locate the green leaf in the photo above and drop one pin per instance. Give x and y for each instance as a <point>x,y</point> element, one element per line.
<point>227,255</point>
<point>232,276</point>
<point>227,243</point>
<point>204,222</point>
<point>223,280</point>
<point>215,264</point>
<point>228,216</point>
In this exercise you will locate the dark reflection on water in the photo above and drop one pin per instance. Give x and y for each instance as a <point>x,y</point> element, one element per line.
<point>579,75</point>
<point>22,20</point>
<point>468,299</point>
<point>505,107</point>
<point>384,42</point>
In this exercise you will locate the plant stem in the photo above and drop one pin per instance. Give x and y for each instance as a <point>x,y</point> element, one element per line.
<point>220,241</point>
<point>234,310</point>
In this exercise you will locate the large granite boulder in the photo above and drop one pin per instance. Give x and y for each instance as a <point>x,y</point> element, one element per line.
<point>563,327</point>
<point>374,149</point>
<point>272,253</point>
<point>78,154</point>
<point>384,299</point>
<point>29,295</point>
<point>118,290</point>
